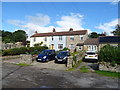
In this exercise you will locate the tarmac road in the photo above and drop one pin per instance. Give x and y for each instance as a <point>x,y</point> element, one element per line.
<point>15,76</point>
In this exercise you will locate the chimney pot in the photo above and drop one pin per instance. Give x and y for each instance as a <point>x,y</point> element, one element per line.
<point>54,30</point>
<point>71,29</point>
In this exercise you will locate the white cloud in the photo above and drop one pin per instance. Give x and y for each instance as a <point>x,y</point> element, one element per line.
<point>39,21</point>
<point>108,27</point>
<point>114,2</point>
<point>73,21</point>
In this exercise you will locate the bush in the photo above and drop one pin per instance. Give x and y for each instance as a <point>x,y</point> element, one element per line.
<point>109,54</point>
<point>24,50</point>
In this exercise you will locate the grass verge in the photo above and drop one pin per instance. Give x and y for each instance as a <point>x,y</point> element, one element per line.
<point>108,73</point>
<point>22,64</point>
<point>84,69</point>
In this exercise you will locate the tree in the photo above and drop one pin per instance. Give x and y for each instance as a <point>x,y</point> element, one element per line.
<point>116,32</point>
<point>20,36</point>
<point>93,35</point>
<point>7,36</point>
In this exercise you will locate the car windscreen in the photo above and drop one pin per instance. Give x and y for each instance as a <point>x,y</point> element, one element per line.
<point>63,53</point>
<point>45,52</point>
<point>91,53</point>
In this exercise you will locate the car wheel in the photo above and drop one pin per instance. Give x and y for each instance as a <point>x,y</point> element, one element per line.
<point>55,61</point>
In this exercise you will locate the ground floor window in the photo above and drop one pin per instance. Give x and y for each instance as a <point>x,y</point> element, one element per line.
<point>60,46</point>
<point>92,47</point>
<point>71,46</point>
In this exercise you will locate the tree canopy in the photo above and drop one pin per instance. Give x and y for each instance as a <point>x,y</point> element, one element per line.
<point>93,35</point>
<point>117,30</point>
<point>11,37</point>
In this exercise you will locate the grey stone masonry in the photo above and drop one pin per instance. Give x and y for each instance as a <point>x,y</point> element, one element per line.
<point>107,67</point>
<point>69,62</point>
<point>26,58</point>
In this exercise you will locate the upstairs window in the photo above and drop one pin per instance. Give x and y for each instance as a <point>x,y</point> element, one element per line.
<point>72,38</point>
<point>81,37</point>
<point>60,38</point>
<point>52,38</point>
<point>45,38</point>
<point>34,39</point>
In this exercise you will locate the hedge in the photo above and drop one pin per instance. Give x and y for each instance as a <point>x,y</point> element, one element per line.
<point>110,54</point>
<point>24,50</point>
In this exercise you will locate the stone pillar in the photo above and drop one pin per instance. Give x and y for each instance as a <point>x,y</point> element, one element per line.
<point>69,62</point>
<point>26,58</point>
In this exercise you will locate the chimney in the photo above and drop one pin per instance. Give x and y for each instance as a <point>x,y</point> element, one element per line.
<point>36,32</point>
<point>54,30</point>
<point>71,29</point>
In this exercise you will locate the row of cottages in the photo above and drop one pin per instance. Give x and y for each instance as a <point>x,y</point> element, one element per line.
<point>59,40</point>
<point>97,43</point>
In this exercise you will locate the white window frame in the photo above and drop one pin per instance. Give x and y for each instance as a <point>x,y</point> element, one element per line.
<point>34,39</point>
<point>59,45</point>
<point>81,37</point>
<point>72,38</point>
<point>60,38</point>
<point>45,39</point>
<point>72,46</point>
<point>52,38</point>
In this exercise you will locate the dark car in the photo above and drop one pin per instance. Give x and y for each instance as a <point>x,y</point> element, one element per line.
<point>46,55</point>
<point>62,56</point>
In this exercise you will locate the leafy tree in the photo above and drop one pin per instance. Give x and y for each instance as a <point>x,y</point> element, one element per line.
<point>116,32</point>
<point>20,36</point>
<point>93,35</point>
<point>7,36</point>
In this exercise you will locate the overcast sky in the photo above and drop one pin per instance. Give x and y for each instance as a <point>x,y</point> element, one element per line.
<point>44,16</point>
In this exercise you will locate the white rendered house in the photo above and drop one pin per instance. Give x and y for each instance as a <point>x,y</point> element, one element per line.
<point>59,40</point>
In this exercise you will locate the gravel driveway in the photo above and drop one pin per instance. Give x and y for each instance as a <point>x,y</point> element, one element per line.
<point>38,76</point>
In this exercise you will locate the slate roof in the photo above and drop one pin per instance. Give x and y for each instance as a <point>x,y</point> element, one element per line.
<point>109,39</point>
<point>67,33</point>
<point>91,41</point>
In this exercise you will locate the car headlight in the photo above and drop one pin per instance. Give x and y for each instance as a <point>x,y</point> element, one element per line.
<point>64,57</point>
<point>55,56</point>
<point>44,57</point>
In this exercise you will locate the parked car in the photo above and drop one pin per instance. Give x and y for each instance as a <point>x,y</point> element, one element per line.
<point>91,56</point>
<point>46,55</point>
<point>62,56</point>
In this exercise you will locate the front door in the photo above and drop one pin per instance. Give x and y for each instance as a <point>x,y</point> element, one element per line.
<point>52,46</point>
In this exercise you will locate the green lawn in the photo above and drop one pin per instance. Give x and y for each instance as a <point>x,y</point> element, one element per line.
<point>22,64</point>
<point>84,69</point>
<point>108,73</point>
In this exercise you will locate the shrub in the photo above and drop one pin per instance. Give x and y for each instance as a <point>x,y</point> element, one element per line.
<point>24,50</point>
<point>110,54</point>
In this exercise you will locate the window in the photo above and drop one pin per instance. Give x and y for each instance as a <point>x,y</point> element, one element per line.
<point>34,39</point>
<point>81,37</point>
<point>45,45</point>
<point>60,37</point>
<point>45,38</point>
<point>52,38</point>
<point>72,46</point>
<point>60,46</point>
<point>71,37</point>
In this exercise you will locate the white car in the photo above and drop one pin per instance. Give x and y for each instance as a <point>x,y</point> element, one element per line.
<point>91,56</point>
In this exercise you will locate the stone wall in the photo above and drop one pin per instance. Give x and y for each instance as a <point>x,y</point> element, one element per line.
<point>26,58</point>
<point>108,67</point>
<point>71,62</point>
